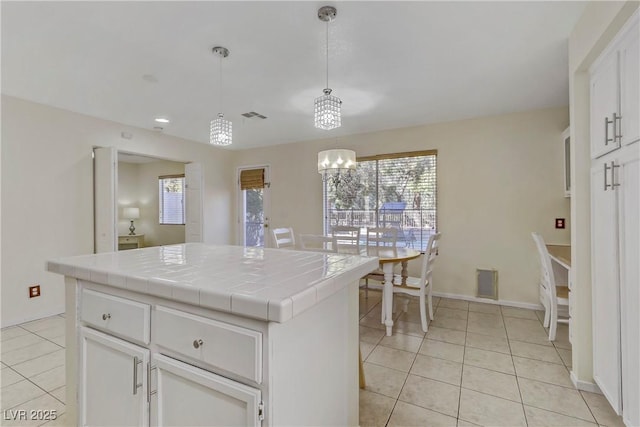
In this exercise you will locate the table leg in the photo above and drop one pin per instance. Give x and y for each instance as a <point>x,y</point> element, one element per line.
<point>388,296</point>
<point>405,272</point>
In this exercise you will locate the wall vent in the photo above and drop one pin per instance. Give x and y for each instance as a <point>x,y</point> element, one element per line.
<point>253,114</point>
<point>487,281</point>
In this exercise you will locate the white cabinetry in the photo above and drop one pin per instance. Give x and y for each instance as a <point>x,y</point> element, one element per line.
<point>615,230</point>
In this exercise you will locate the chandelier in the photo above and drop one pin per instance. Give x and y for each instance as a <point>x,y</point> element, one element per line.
<point>220,129</point>
<point>327,107</point>
<point>336,165</point>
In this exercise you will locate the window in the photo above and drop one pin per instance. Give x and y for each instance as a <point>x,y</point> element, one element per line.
<point>394,190</point>
<point>171,198</point>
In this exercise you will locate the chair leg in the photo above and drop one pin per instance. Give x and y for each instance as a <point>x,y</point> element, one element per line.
<point>423,312</point>
<point>366,288</point>
<point>382,318</point>
<point>547,317</point>
<point>553,323</point>
<point>430,301</point>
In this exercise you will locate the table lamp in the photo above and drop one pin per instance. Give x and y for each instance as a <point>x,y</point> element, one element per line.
<point>131,213</point>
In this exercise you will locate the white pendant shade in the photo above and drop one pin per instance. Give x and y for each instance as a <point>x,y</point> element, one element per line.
<point>220,131</point>
<point>336,160</point>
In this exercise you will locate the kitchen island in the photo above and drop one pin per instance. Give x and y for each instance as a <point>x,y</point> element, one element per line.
<point>196,334</point>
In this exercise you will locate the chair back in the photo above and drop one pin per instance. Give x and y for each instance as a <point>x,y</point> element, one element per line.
<point>547,279</point>
<point>378,238</point>
<point>430,254</point>
<point>347,238</point>
<point>317,243</point>
<point>284,238</point>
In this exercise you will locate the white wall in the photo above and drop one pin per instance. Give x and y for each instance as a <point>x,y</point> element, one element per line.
<point>597,26</point>
<point>47,190</point>
<point>499,178</point>
<point>127,194</point>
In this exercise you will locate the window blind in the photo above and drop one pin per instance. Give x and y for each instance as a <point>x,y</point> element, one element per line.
<point>171,199</point>
<point>251,179</point>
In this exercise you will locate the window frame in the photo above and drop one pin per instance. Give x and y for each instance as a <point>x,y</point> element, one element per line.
<point>161,217</point>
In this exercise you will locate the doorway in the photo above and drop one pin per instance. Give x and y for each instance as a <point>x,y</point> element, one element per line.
<point>253,186</point>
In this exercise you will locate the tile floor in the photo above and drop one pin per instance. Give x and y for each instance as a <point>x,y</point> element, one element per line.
<point>480,364</point>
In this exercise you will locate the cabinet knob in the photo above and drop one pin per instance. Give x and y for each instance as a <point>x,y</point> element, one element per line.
<point>106,316</point>
<point>197,343</point>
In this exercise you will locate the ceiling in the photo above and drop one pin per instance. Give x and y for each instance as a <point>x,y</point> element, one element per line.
<point>393,64</point>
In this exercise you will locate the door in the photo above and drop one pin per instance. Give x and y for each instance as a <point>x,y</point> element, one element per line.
<point>190,396</point>
<point>629,214</point>
<point>193,202</point>
<point>112,385</point>
<point>604,103</point>
<point>605,280</point>
<point>253,187</point>
<point>105,189</point>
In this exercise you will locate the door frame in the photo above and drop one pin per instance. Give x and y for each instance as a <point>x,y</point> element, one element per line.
<point>266,203</point>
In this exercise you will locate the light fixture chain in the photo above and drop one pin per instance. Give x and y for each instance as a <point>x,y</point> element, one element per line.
<point>327,50</point>
<point>220,103</point>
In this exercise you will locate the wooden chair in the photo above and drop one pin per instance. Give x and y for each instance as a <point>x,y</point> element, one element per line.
<point>553,297</point>
<point>378,237</point>
<point>347,238</point>
<point>317,243</point>
<point>422,286</point>
<point>284,238</point>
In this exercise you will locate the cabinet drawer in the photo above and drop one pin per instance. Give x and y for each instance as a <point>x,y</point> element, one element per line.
<point>129,319</point>
<point>228,347</point>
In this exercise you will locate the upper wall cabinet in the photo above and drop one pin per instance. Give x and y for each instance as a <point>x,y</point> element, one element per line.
<point>615,86</point>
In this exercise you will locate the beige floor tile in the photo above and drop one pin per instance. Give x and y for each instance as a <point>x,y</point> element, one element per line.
<point>437,369</point>
<point>366,349</point>
<point>499,331</point>
<point>392,358</point>
<point>489,360</point>
<point>493,321</point>
<point>60,394</point>
<point>447,335</point>
<point>402,342</point>
<point>488,410</point>
<point>522,313</point>
<point>12,332</point>
<point>375,409</point>
<point>59,422</point>
<point>554,398</point>
<point>46,323</point>
<point>454,303</point>
<point>431,394</point>
<point>442,350</point>
<point>463,423</point>
<point>18,393</point>
<point>9,376</point>
<point>371,335</point>
<point>412,316</point>
<point>50,380</point>
<point>30,352</point>
<point>451,313</point>
<point>372,322</point>
<point>449,323</point>
<point>542,371</point>
<point>526,330</point>
<point>566,357</point>
<point>20,342</point>
<point>53,332</point>
<point>40,364</point>
<point>535,351</point>
<point>480,307</point>
<point>38,411</point>
<point>540,315</point>
<point>384,380</point>
<point>488,342</point>
<point>491,382</point>
<point>601,409</point>
<point>407,415</point>
<point>540,418</point>
<point>562,337</point>
<point>61,340</point>
<point>408,328</point>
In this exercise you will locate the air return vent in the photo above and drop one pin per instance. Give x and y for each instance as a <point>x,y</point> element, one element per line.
<point>487,283</point>
<point>253,114</point>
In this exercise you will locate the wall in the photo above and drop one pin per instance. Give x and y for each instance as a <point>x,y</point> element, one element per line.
<point>127,194</point>
<point>47,194</point>
<point>597,26</point>
<point>499,179</point>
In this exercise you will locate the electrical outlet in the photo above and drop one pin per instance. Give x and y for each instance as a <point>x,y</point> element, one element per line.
<point>34,291</point>
<point>559,222</point>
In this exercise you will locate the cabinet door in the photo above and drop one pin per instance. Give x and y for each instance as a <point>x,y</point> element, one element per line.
<point>187,395</point>
<point>630,86</point>
<point>629,214</point>
<point>604,103</point>
<point>112,385</point>
<point>605,285</point>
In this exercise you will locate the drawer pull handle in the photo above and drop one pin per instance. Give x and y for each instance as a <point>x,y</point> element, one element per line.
<point>198,343</point>
<point>136,384</point>
<point>106,316</point>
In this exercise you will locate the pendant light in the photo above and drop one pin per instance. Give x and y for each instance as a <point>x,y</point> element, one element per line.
<point>327,107</point>
<point>220,130</point>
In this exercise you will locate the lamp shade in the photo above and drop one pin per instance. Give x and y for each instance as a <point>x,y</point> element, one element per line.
<point>330,160</point>
<point>131,213</point>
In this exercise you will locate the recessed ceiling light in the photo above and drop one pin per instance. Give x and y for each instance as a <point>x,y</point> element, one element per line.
<point>162,120</point>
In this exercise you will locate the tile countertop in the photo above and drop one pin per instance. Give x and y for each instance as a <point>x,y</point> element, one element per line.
<point>267,284</point>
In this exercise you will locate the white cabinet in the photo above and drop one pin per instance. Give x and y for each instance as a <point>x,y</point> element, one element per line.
<point>113,389</point>
<point>615,86</point>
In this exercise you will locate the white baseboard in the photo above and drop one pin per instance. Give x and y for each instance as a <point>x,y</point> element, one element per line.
<point>20,321</point>
<point>490,301</point>
<point>584,385</point>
